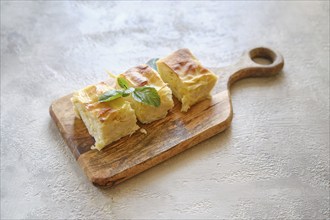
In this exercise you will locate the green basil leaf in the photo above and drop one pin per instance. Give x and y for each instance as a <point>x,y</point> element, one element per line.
<point>110,95</point>
<point>152,63</point>
<point>128,91</point>
<point>147,95</point>
<point>122,83</point>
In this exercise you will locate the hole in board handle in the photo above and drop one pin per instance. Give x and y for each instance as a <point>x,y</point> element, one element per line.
<point>262,60</point>
<point>262,56</point>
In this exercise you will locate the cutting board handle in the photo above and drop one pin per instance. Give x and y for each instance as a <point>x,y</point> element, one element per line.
<point>248,67</point>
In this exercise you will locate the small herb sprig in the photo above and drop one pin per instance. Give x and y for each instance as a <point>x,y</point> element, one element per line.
<point>145,94</point>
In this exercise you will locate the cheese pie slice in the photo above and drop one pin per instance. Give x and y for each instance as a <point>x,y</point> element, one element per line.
<point>144,75</point>
<point>189,80</point>
<point>105,121</point>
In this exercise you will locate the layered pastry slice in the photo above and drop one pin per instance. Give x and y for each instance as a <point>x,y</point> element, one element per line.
<point>105,121</point>
<point>144,75</point>
<point>189,80</point>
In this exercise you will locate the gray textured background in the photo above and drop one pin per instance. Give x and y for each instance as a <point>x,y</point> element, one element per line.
<point>272,163</point>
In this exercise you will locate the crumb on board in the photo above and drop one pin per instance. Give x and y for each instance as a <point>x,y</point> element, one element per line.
<point>144,131</point>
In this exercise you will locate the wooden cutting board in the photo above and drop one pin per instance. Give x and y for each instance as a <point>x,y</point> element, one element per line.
<point>166,137</point>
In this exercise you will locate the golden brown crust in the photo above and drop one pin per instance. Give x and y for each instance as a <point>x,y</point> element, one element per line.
<point>138,75</point>
<point>89,98</point>
<point>91,93</point>
<point>184,63</point>
<point>142,75</point>
<point>101,109</point>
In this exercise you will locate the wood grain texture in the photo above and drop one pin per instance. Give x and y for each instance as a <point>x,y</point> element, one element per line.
<point>166,137</point>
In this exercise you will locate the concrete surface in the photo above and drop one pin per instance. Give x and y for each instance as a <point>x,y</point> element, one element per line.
<point>272,163</point>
